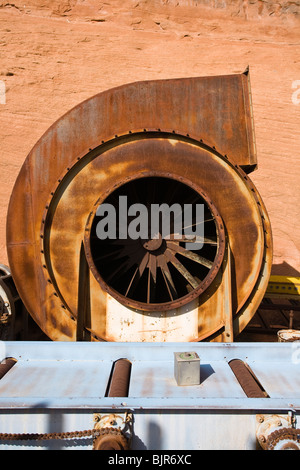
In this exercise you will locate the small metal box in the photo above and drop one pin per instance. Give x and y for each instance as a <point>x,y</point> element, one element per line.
<point>187,368</point>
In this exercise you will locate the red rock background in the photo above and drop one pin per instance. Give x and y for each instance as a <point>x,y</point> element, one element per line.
<point>54,54</point>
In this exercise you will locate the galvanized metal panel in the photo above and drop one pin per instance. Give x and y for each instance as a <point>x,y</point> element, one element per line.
<point>157,380</point>
<point>45,421</point>
<point>48,378</point>
<point>280,380</point>
<point>199,431</point>
<point>75,375</point>
<point>152,430</point>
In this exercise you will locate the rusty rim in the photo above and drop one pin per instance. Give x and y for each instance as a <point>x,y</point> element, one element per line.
<point>152,274</point>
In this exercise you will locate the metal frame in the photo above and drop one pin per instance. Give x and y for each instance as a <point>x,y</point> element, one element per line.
<point>283,286</point>
<point>60,387</point>
<point>275,364</point>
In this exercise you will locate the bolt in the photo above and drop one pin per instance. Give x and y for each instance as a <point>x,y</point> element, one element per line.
<point>260,419</point>
<point>262,438</point>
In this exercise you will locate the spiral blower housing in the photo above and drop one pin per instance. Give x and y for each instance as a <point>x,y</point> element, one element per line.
<point>182,141</point>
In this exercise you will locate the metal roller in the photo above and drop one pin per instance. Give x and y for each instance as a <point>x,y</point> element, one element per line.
<point>6,365</point>
<point>112,438</point>
<point>246,379</point>
<point>120,379</point>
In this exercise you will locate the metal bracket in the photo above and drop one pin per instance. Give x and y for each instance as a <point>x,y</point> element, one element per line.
<point>122,422</point>
<point>266,424</point>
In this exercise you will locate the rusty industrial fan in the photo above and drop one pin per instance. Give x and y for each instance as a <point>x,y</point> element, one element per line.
<point>184,141</point>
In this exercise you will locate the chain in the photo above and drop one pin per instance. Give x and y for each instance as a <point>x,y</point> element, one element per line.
<point>94,433</point>
<point>47,436</point>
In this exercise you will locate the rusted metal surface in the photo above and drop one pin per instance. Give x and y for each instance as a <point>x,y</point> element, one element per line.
<point>111,439</point>
<point>6,365</point>
<point>284,439</point>
<point>176,130</point>
<point>277,431</point>
<point>246,379</point>
<point>119,383</point>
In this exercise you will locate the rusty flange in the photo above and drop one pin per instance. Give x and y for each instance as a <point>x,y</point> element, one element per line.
<point>156,257</point>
